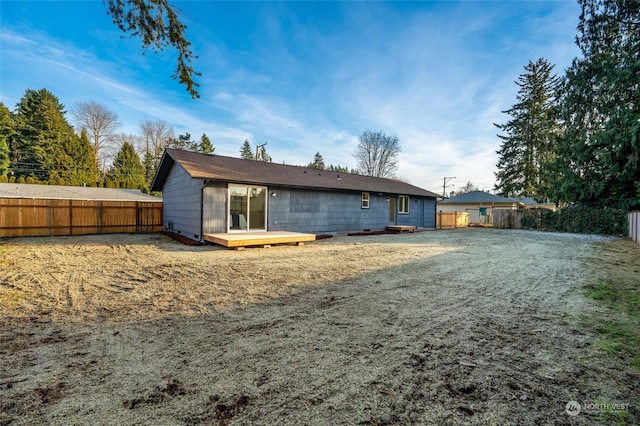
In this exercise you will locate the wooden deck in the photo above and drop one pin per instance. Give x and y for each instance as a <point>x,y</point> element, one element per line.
<point>401,228</point>
<point>265,239</point>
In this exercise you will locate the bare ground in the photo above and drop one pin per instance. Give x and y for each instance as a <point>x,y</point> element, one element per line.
<point>469,326</point>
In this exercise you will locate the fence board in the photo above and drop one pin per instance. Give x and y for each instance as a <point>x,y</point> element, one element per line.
<point>22,217</point>
<point>634,226</point>
<point>450,220</point>
<point>507,218</point>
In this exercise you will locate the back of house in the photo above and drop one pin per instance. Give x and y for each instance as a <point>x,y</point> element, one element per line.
<point>205,194</point>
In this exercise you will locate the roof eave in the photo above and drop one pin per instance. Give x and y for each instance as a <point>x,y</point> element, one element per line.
<point>166,161</point>
<point>318,188</point>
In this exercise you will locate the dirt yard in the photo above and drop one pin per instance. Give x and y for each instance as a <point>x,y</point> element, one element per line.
<point>469,326</point>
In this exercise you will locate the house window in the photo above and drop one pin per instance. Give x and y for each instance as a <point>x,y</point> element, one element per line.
<point>365,200</point>
<point>403,204</point>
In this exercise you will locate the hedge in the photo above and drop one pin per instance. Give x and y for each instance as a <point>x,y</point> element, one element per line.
<point>578,219</point>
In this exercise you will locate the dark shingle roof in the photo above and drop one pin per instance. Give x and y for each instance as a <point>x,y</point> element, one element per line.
<point>475,197</point>
<point>229,169</point>
<point>22,190</point>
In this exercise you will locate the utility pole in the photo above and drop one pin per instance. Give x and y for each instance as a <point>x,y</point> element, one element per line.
<point>446,180</point>
<point>258,150</point>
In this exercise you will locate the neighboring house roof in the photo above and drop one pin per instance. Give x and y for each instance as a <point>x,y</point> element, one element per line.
<point>22,190</point>
<point>531,202</point>
<point>528,201</point>
<point>477,197</point>
<point>229,169</point>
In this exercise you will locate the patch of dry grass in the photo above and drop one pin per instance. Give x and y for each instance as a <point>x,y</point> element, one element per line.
<point>616,285</point>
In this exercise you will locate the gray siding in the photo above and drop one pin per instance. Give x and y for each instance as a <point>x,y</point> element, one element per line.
<point>422,213</point>
<point>429,213</point>
<point>289,209</point>
<point>327,212</point>
<point>214,208</point>
<point>182,203</point>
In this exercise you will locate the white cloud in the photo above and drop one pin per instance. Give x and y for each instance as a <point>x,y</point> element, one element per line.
<point>436,74</point>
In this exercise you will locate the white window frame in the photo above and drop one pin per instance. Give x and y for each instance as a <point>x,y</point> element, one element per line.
<point>365,200</point>
<point>403,204</point>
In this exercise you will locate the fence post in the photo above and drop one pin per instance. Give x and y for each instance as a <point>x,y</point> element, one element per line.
<point>634,226</point>
<point>70,217</point>
<point>137,217</point>
<point>49,212</point>
<point>100,217</point>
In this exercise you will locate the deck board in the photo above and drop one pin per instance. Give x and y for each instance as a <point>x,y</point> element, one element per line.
<point>247,239</point>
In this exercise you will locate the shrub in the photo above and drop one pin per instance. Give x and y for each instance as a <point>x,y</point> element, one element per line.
<point>578,219</point>
<point>531,219</point>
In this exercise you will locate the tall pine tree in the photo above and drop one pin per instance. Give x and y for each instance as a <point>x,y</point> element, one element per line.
<point>150,165</point>
<point>206,147</point>
<point>599,154</point>
<point>44,143</point>
<point>7,129</point>
<point>263,155</point>
<point>529,141</point>
<point>245,152</point>
<point>127,171</point>
<point>82,171</point>
<point>183,142</point>
<point>318,162</point>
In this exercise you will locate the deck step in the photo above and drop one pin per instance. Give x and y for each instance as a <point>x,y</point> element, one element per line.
<point>401,228</point>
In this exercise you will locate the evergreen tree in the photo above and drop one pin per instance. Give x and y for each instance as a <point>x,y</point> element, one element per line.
<point>43,138</point>
<point>317,163</point>
<point>246,152</point>
<point>7,129</point>
<point>206,147</point>
<point>150,166</point>
<point>158,26</point>
<point>262,154</point>
<point>4,156</point>
<point>529,143</point>
<point>599,153</point>
<point>338,168</point>
<point>81,170</point>
<point>127,171</point>
<point>183,142</point>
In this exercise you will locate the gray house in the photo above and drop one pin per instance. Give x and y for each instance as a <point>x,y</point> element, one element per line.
<point>480,205</point>
<point>211,194</point>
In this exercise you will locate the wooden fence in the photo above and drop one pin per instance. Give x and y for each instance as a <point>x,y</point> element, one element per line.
<point>450,220</point>
<point>507,218</point>
<point>22,217</point>
<point>634,226</point>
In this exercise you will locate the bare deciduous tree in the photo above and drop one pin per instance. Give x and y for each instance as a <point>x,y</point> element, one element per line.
<point>468,187</point>
<point>155,135</point>
<point>100,124</point>
<point>377,154</point>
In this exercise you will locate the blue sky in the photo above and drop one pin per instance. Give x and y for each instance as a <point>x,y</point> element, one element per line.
<point>304,76</point>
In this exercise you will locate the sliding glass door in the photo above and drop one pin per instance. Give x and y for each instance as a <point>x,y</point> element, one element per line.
<point>247,208</point>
